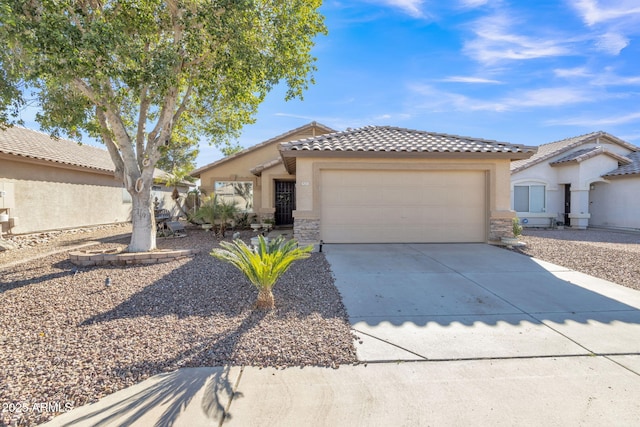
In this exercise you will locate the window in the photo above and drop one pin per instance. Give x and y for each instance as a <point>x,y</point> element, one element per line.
<point>529,198</point>
<point>240,192</point>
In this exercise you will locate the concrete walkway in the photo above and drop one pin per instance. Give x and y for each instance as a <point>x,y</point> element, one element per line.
<point>451,335</point>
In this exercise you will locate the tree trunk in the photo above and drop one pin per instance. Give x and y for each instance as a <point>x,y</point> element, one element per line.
<point>143,236</point>
<point>265,299</point>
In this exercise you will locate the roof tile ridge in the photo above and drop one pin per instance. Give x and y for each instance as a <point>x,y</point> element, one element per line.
<point>461,137</point>
<point>579,140</point>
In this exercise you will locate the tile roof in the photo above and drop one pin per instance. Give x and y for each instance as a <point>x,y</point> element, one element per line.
<point>587,153</point>
<point>196,173</point>
<point>632,168</point>
<point>22,142</point>
<point>552,149</point>
<point>257,170</point>
<point>388,139</point>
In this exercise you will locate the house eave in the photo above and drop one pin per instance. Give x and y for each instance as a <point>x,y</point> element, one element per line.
<point>594,137</point>
<point>289,156</point>
<point>621,175</point>
<point>276,139</point>
<point>54,164</point>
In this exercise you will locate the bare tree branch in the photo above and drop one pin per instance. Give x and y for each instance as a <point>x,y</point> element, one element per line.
<point>145,102</point>
<point>111,145</point>
<point>183,105</point>
<point>87,91</point>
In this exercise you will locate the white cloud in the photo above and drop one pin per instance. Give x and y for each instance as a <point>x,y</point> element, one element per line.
<point>473,3</point>
<point>470,79</point>
<point>572,72</point>
<point>550,97</point>
<point>603,121</point>
<point>495,41</point>
<point>612,43</point>
<point>438,100</point>
<point>594,12</point>
<point>412,7</point>
<point>615,21</point>
<point>615,80</point>
<point>606,77</point>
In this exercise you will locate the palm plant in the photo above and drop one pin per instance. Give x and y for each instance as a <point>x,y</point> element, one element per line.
<point>178,176</point>
<point>227,210</point>
<point>209,211</point>
<point>264,264</point>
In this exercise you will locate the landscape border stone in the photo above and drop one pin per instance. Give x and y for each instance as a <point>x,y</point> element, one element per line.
<point>86,258</point>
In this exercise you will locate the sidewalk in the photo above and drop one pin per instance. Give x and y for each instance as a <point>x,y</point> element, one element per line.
<point>540,391</point>
<point>542,346</point>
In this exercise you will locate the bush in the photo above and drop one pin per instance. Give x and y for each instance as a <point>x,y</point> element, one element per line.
<point>517,228</point>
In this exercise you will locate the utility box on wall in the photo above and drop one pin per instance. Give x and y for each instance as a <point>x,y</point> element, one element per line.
<point>7,203</point>
<point>7,195</point>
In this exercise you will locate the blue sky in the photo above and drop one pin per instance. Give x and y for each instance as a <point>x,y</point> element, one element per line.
<point>526,72</point>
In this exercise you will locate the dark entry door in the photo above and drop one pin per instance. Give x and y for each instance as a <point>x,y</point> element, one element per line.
<point>285,202</point>
<point>567,204</point>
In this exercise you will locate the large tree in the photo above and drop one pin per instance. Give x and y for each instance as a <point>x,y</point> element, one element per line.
<point>140,74</point>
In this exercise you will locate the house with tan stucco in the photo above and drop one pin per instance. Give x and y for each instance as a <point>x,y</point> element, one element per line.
<point>376,184</point>
<point>49,184</point>
<point>256,179</point>
<point>579,182</point>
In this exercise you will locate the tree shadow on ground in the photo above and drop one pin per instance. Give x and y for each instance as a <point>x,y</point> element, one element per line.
<point>447,284</point>
<point>174,391</point>
<point>7,282</point>
<point>205,286</point>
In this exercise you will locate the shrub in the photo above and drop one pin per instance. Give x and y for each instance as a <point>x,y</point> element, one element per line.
<point>264,264</point>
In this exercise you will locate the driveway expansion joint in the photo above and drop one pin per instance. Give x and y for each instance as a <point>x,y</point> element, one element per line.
<point>532,357</point>
<point>226,414</point>
<point>390,343</point>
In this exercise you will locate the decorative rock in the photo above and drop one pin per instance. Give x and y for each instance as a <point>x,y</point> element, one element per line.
<point>91,257</point>
<point>6,245</point>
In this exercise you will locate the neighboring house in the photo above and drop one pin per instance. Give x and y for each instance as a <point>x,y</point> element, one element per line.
<point>48,184</point>
<point>382,184</point>
<point>587,180</point>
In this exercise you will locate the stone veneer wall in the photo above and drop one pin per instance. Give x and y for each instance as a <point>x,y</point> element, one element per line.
<point>306,230</point>
<point>87,258</point>
<point>500,227</point>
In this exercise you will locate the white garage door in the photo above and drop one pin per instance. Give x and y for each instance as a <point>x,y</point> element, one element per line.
<point>362,206</point>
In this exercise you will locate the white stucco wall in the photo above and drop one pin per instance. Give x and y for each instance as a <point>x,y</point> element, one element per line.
<point>580,175</point>
<point>540,174</point>
<point>616,203</point>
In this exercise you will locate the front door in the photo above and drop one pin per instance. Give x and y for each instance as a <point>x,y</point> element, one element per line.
<point>567,204</point>
<point>285,202</point>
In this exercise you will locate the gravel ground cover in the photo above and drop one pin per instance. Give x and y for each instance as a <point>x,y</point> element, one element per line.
<point>66,339</point>
<point>609,255</point>
<point>39,244</point>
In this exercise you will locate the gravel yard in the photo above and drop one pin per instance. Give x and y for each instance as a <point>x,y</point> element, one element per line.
<point>67,339</point>
<point>609,255</point>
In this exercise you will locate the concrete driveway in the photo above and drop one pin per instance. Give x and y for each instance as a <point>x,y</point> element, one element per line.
<point>476,301</point>
<point>500,339</point>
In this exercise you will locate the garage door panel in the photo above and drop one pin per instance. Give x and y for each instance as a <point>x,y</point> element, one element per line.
<point>403,206</point>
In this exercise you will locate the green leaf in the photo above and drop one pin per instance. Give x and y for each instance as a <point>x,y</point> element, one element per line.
<point>264,264</point>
